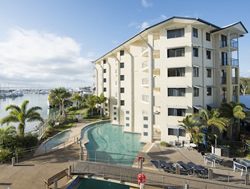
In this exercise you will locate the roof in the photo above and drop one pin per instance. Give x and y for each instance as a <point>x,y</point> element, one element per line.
<point>231,25</point>
<point>217,28</point>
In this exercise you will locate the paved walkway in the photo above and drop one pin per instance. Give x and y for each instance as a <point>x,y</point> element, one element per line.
<point>31,174</point>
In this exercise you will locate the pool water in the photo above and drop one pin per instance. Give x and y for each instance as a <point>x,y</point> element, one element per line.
<point>108,143</point>
<point>56,140</point>
<point>98,184</point>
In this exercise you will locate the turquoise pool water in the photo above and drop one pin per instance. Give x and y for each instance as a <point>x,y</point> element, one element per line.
<point>56,140</point>
<point>108,143</point>
<point>98,184</point>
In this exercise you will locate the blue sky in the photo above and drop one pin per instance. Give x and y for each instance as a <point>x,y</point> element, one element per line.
<point>35,34</point>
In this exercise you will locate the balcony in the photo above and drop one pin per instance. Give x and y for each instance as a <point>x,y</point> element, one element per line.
<point>156,72</point>
<point>233,44</point>
<point>235,80</point>
<point>145,82</point>
<point>235,62</point>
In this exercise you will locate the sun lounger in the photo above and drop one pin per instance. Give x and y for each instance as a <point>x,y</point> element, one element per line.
<point>198,169</point>
<point>167,166</point>
<point>156,163</point>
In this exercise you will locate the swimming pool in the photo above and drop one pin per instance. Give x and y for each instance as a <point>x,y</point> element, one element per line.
<point>55,141</point>
<point>108,143</point>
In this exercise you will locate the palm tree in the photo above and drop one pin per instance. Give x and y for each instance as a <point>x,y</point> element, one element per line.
<point>192,127</point>
<point>21,115</point>
<point>211,120</point>
<point>91,102</point>
<point>58,97</point>
<point>101,100</point>
<point>234,112</point>
<point>76,97</point>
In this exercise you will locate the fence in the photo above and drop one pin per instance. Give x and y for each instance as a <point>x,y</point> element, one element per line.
<point>155,178</point>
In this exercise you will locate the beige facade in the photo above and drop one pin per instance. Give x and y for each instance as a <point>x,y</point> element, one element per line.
<point>168,71</point>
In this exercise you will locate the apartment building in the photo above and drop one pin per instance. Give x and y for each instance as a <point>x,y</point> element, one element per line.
<point>167,71</point>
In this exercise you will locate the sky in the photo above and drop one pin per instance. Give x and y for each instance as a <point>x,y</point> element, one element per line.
<point>51,43</point>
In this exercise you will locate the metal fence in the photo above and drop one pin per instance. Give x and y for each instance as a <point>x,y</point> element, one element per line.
<point>155,178</point>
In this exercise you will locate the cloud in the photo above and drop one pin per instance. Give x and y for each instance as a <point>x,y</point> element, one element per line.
<point>31,58</point>
<point>146,3</point>
<point>143,25</point>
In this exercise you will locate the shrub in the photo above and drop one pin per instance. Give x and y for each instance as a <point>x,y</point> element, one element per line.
<point>165,144</point>
<point>27,141</point>
<point>5,155</point>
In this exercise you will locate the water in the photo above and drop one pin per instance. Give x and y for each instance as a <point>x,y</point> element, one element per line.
<point>34,100</point>
<point>99,184</point>
<point>245,100</point>
<point>58,139</point>
<point>108,143</point>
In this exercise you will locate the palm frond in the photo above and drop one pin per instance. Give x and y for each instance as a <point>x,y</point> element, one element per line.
<point>24,106</point>
<point>32,110</point>
<point>13,107</point>
<point>9,119</point>
<point>35,118</point>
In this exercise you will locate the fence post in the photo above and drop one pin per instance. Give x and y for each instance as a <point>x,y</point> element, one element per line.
<point>210,174</point>
<point>247,179</point>
<point>13,161</point>
<point>186,186</point>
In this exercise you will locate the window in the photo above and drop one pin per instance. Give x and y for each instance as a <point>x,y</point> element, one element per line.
<point>209,91</point>
<point>145,126</point>
<point>121,52</point>
<point>209,73</point>
<point>176,112</point>
<point>176,52</point>
<point>195,32</point>
<point>127,112</point>
<point>208,36</point>
<point>176,132</point>
<point>104,89</point>
<point>114,108</point>
<point>145,133</point>
<point>176,72</point>
<point>223,58</point>
<point>104,70</point>
<point>196,91</point>
<point>175,33</point>
<point>122,65</point>
<point>122,77</point>
<point>104,80</point>
<point>195,72</point>
<point>127,118</point>
<point>195,52</point>
<point>182,132</point>
<point>114,118</point>
<point>176,91</point>
<point>223,41</point>
<point>145,118</point>
<point>195,110</point>
<point>127,124</point>
<point>114,113</point>
<point>104,61</point>
<point>122,102</point>
<point>208,54</point>
<point>122,90</point>
<point>145,98</point>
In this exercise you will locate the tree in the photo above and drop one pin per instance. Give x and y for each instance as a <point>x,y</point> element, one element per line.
<point>211,120</point>
<point>101,100</point>
<point>76,97</point>
<point>234,112</point>
<point>243,86</point>
<point>58,97</point>
<point>21,115</point>
<point>192,127</point>
<point>6,135</point>
<point>91,102</point>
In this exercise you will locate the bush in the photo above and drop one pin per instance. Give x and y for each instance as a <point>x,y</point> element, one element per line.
<point>5,155</point>
<point>27,141</point>
<point>72,108</point>
<point>165,144</point>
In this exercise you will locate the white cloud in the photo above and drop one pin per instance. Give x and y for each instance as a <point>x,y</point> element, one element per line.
<point>30,57</point>
<point>143,25</point>
<point>146,3</point>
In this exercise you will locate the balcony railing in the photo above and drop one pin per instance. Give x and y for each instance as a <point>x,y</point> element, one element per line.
<point>144,65</point>
<point>233,44</point>
<point>235,62</point>
<point>234,80</point>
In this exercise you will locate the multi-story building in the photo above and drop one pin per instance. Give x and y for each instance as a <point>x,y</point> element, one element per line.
<point>168,71</point>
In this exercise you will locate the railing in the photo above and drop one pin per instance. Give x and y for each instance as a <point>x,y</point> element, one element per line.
<point>234,44</point>
<point>155,178</point>
<point>234,80</point>
<point>235,62</point>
